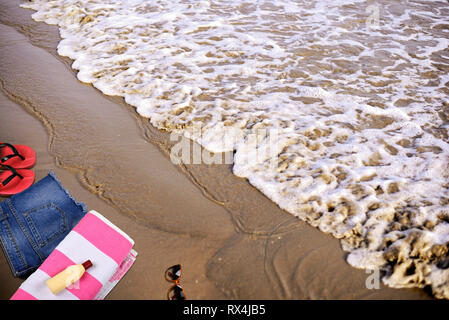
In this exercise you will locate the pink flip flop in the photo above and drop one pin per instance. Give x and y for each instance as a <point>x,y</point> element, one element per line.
<point>17,156</point>
<point>13,181</point>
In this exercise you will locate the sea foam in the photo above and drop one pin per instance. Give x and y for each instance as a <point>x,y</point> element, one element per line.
<point>357,92</point>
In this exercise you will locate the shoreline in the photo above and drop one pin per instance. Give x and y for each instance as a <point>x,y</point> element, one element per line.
<point>225,222</point>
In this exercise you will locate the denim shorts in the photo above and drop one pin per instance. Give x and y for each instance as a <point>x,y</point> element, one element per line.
<point>35,221</point>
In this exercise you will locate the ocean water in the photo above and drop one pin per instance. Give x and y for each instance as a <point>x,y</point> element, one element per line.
<point>351,98</point>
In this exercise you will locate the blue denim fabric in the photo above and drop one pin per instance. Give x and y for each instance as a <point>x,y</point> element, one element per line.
<point>35,221</point>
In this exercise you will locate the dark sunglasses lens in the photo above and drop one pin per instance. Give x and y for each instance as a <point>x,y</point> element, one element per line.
<point>173,273</point>
<point>176,293</point>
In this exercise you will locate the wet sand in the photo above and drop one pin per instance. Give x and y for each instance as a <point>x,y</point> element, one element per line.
<point>232,241</point>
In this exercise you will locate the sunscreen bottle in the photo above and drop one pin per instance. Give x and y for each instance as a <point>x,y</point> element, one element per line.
<point>67,277</point>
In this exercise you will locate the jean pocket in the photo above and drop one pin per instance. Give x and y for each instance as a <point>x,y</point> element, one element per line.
<point>46,223</point>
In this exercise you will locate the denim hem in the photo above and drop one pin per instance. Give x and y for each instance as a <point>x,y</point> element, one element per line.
<point>81,204</point>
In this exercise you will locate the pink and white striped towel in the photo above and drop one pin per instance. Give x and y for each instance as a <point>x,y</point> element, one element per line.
<point>96,239</point>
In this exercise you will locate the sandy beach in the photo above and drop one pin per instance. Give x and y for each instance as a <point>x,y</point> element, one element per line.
<point>232,241</point>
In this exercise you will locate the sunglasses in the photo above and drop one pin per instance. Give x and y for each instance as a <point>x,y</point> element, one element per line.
<point>173,274</point>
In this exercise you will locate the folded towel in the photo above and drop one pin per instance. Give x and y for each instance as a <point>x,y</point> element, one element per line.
<point>96,239</point>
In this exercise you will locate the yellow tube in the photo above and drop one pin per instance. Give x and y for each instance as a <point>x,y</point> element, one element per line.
<point>67,277</point>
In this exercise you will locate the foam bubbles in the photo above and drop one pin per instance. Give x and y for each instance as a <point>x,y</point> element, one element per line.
<point>360,111</point>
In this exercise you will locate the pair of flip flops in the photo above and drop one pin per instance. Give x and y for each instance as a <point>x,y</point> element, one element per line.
<point>15,161</point>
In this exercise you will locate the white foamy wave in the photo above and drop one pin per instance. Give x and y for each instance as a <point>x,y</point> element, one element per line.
<point>356,92</point>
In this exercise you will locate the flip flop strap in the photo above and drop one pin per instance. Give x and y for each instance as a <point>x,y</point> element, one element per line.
<point>13,149</point>
<point>14,174</point>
